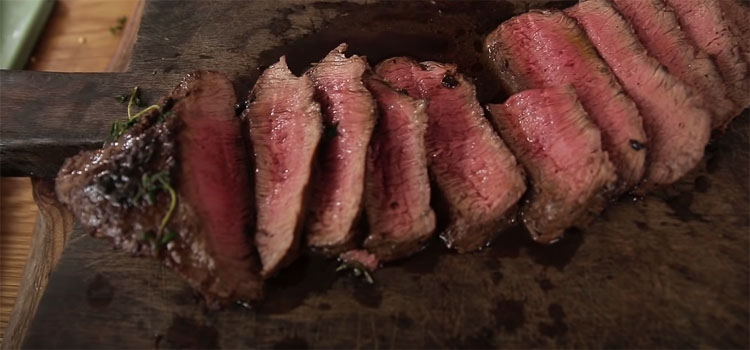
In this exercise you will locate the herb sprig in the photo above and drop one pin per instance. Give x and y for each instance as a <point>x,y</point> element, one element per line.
<point>134,98</point>
<point>120,25</point>
<point>357,271</point>
<point>149,188</point>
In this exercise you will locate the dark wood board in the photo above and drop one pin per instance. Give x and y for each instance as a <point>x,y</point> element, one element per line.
<point>670,270</point>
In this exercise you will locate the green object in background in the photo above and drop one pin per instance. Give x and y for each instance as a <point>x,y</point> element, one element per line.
<point>21,22</point>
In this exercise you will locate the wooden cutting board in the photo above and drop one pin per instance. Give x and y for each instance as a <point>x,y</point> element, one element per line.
<point>670,270</point>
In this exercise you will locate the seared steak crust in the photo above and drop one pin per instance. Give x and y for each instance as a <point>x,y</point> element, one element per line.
<point>195,146</point>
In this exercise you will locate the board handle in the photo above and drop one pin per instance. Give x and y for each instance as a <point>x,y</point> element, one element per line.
<point>46,117</point>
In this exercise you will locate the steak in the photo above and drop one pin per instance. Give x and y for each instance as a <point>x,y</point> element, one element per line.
<point>712,31</point>
<point>397,189</point>
<point>561,149</point>
<point>739,15</point>
<point>349,113</point>
<point>176,186</point>
<point>677,127</point>
<point>546,49</point>
<point>657,28</point>
<point>285,128</point>
<point>473,169</point>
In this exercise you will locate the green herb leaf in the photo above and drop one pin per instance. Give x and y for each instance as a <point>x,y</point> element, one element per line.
<point>119,26</point>
<point>167,237</point>
<point>357,270</point>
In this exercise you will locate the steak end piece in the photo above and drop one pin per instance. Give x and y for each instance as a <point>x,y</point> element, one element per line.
<point>285,128</point>
<point>677,127</point>
<point>542,49</point>
<point>713,31</point>
<point>192,148</point>
<point>349,114</point>
<point>473,169</point>
<point>570,174</point>
<point>658,29</point>
<point>397,191</point>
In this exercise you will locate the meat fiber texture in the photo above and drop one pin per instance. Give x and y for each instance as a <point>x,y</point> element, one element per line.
<point>285,128</point>
<point>561,149</point>
<point>349,113</point>
<point>658,29</point>
<point>546,49</point>
<point>397,191</point>
<point>738,12</point>
<point>714,32</point>
<point>677,127</point>
<point>475,172</point>
<point>195,144</point>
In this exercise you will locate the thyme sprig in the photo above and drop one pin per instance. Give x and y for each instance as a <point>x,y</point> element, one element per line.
<point>134,98</point>
<point>357,271</point>
<point>150,186</point>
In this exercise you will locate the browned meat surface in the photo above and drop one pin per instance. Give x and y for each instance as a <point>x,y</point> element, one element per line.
<point>677,127</point>
<point>710,28</point>
<point>473,169</point>
<point>561,150</point>
<point>285,127</point>
<point>738,12</point>
<point>657,28</point>
<point>194,147</point>
<point>397,190</point>
<point>349,112</point>
<point>546,49</point>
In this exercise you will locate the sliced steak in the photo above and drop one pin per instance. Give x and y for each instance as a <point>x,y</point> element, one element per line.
<point>677,127</point>
<point>473,169</point>
<point>657,28</point>
<point>285,128</point>
<point>708,26</point>
<point>561,150</point>
<point>545,49</point>
<point>192,149</point>
<point>397,190</point>
<point>349,113</point>
<point>738,11</point>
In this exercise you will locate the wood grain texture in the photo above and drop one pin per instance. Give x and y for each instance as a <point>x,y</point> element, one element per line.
<point>17,215</point>
<point>57,50</point>
<point>53,228</point>
<point>37,137</point>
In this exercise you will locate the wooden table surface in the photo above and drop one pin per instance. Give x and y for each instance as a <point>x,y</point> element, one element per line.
<point>76,39</point>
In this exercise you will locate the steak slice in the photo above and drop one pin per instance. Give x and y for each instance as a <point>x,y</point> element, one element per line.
<point>677,127</point>
<point>349,111</point>
<point>561,149</point>
<point>397,189</point>
<point>657,28</point>
<point>708,26</point>
<point>739,13</point>
<point>546,49</point>
<point>285,128</point>
<point>193,149</point>
<point>473,169</point>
